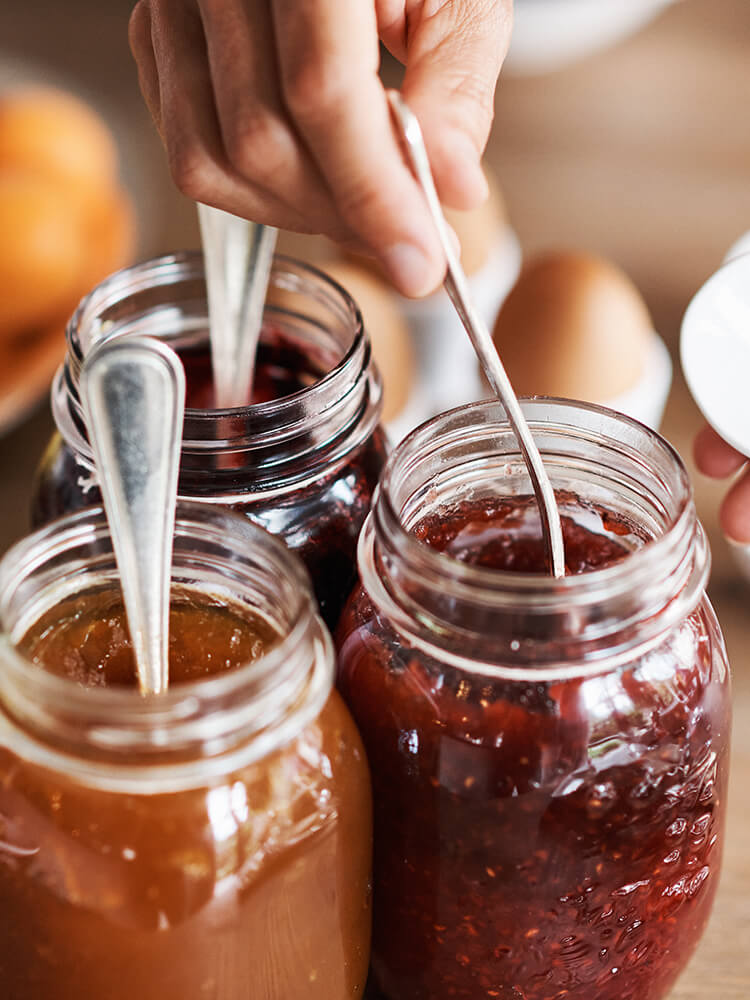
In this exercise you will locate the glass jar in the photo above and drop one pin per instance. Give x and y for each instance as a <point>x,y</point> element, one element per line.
<point>210,843</point>
<point>303,466</point>
<point>549,757</point>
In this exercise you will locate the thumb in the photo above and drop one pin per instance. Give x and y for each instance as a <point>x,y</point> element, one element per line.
<point>453,60</point>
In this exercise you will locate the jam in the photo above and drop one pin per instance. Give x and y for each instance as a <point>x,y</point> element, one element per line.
<point>251,882</point>
<point>87,640</point>
<point>320,520</point>
<point>550,838</point>
<point>282,369</point>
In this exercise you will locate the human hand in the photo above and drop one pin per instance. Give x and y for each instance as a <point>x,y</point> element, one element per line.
<point>273,110</point>
<point>715,458</point>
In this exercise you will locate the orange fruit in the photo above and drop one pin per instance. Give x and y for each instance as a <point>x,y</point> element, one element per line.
<point>42,250</point>
<point>57,134</point>
<point>109,233</point>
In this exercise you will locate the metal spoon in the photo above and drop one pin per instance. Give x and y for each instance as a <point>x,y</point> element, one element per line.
<point>458,289</point>
<point>238,256</point>
<point>133,395</point>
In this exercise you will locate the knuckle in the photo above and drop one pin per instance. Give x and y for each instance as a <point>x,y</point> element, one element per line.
<point>312,88</point>
<point>257,144</point>
<point>476,90</point>
<point>360,201</point>
<point>191,169</point>
<point>138,27</point>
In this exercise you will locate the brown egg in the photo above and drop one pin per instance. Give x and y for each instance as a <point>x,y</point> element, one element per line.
<point>388,332</point>
<point>42,251</point>
<point>573,325</point>
<point>57,134</point>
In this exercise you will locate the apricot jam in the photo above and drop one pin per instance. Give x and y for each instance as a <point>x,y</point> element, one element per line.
<point>87,640</point>
<point>211,842</point>
<point>549,758</point>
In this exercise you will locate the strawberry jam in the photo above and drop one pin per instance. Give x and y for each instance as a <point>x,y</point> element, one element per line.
<point>540,834</point>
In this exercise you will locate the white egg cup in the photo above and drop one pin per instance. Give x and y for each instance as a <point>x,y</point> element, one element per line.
<point>446,362</point>
<point>549,34</point>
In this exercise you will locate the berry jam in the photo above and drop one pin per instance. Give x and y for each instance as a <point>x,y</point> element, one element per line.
<point>320,519</point>
<point>538,839</point>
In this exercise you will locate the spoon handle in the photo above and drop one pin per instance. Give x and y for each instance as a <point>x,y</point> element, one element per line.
<point>457,288</point>
<point>133,394</point>
<point>238,256</point>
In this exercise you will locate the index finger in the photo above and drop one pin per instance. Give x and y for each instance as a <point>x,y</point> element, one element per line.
<point>714,457</point>
<point>328,59</point>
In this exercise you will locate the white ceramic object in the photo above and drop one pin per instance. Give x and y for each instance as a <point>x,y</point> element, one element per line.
<point>645,401</point>
<point>548,34</point>
<point>447,364</point>
<point>715,351</point>
<point>742,246</point>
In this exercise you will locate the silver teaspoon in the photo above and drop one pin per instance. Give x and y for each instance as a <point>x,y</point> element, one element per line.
<point>133,394</point>
<point>237,256</point>
<point>457,288</point>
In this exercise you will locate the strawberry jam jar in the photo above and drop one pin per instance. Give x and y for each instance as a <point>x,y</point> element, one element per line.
<point>301,460</point>
<point>212,842</point>
<point>549,757</point>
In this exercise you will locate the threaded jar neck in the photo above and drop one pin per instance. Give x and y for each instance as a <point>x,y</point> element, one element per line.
<point>261,448</point>
<point>598,460</point>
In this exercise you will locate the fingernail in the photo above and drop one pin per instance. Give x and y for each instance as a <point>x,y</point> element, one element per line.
<point>411,270</point>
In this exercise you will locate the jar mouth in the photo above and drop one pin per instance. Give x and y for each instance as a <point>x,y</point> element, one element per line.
<point>249,711</point>
<point>591,453</point>
<point>166,298</point>
<point>440,431</point>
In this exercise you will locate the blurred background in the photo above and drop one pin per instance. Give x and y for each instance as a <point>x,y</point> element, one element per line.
<point>621,130</point>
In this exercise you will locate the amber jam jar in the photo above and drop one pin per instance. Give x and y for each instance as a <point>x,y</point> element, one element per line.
<point>211,843</point>
<point>549,757</point>
<point>302,460</point>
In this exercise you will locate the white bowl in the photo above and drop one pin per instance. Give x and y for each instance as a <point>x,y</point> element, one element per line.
<point>548,34</point>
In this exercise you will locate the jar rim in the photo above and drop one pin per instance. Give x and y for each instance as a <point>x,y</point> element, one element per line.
<point>273,446</point>
<point>515,624</point>
<point>189,264</point>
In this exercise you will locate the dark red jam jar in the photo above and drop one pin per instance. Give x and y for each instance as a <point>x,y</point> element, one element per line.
<point>302,460</point>
<point>549,757</point>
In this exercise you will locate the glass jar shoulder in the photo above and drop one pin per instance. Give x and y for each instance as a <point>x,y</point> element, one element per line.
<point>600,801</point>
<point>284,842</point>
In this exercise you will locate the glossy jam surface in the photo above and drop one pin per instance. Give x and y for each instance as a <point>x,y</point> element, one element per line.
<point>282,369</point>
<point>255,882</point>
<point>551,840</point>
<point>87,641</point>
<point>320,519</point>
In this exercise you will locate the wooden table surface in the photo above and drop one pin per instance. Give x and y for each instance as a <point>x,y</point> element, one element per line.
<point>641,153</point>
